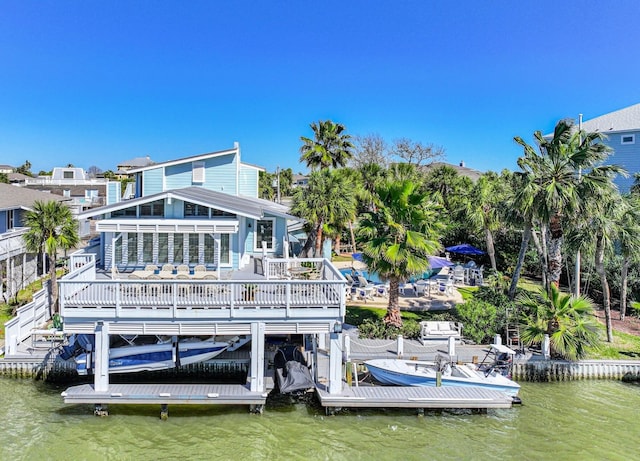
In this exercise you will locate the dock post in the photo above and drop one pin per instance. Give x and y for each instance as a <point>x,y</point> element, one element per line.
<point>335,364</point>
<point>164,411</point>
<point>400,341</point>
<point>257,357</point>
<point>546,347</point>
<point>452,347</point>
<point>101,370</point>
<point>347,348</point>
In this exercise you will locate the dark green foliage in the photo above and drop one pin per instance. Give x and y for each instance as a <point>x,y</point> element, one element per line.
<point>378,329</point>
<point>480,320</point>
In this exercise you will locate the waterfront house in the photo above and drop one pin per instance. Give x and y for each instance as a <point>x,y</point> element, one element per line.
<point>18,268</point>
<point>192,216</point>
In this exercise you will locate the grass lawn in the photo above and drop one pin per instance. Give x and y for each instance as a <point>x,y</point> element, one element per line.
<point>624,347</point>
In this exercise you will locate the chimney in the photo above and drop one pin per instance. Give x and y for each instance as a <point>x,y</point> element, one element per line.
<point>462,163</point>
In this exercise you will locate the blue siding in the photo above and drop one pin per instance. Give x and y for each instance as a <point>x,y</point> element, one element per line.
<point>626,156</point>
<point>175,210</point>
<point>248,182</point>
<point>3,222</point>
<point>220,174</point>
<point>152,181</point>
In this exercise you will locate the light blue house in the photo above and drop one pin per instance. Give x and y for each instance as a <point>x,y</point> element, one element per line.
<point>198,210</point>
<point>622,128</point>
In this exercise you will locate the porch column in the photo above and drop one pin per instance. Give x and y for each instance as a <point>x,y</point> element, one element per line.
<point>257,357</point>
<point>101,354</point>
<point>335,364</point>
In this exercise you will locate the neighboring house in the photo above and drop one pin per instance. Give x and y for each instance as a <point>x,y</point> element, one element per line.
<point>298,180</point>
<point>18,268</point>
<point>75,184</point>
<point>622,128</point>
<point>199,210</point>
<point>138,162</point>
<point>6,169</point>
<point>461,169</point>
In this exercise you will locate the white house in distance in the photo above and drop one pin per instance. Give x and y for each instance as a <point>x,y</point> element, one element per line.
<point>198,253</point>
<point>622,128</point>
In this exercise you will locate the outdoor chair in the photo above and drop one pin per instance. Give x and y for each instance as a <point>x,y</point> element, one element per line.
<point>167,267</point>
<point>151,267</point>
<point>182,268</point>
<point>458,275</point>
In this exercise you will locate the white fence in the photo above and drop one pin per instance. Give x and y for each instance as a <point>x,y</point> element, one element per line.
<point>28,318</point>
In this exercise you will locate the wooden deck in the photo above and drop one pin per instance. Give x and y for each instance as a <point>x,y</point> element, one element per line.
<point>195,394</point>
<point>414,397</point>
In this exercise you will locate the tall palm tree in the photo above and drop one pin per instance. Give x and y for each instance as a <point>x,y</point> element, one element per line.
<point>568,320</point>
<point>398,236</point>
<point>328,199</point>
<point>330,146</point>
<point>51,228</point>
<point>629,239</point>
<point>561,178</point>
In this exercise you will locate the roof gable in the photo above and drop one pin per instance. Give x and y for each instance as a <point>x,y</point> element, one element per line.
<point>627,119</point>
<point>194,158</point>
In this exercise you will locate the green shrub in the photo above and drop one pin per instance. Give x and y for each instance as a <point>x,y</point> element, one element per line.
<point>480,320</point>
<point>377,329</point>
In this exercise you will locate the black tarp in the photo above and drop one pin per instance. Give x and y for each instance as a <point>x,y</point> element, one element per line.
<point>291,370</point>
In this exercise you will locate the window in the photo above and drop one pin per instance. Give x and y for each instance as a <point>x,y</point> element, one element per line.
<point>91,193</point>
<point>152,209</point>
<point>132,248</point>
<point>131,211</point>
<point>163,248</point>
<point>147,248</point>
<point>198,172</point>
<point>118,251</point>
<point>194,242</point>
<point>628,139</point>
<point>178,247</point>
<point>209,249</point>
<point>225,249</point>
<point>66,193</point>
<point>191,209</point>
<point>218,213</point>
<point>67,174</point>
<point>10,222</point>
<point>264,233</point>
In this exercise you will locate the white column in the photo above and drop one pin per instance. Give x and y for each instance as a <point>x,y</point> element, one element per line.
<point>400,342</point>
<point>335,364</point>
<point>347,348</point>
<point>257,357</point>
<point>497,339</point>
<point>452,346</point>
<point>322,341</point>
<point>101,354</point>
<point>546,347</point>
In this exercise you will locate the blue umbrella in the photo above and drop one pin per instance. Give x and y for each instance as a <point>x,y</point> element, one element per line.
<point>465,249</point>
<point>437,262</point>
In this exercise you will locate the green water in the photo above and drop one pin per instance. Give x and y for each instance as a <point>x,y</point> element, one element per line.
<point>588,420</point>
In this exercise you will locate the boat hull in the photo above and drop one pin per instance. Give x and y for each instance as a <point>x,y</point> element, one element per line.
<point>408,373</point>
<point>152,357</point>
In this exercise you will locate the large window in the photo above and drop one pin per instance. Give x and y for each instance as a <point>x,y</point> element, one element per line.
<point>194,241</point>
<point>220,213</point>
<point>191,209</point>
<point>10,222</point>
<point>225,249</point>
<point>152,209</point>
<point>178,248</point>
<point>132,248</point>
<point>163,248</point>
<point>147,248</point>
<point>117,250</point>
<point>209,249</point>
<point>265,233</point>
<point>131,211</point>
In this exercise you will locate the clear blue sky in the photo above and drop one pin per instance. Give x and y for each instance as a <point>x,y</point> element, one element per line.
<point>95,83</point>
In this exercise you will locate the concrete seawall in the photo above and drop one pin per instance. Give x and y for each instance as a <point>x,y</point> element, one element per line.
<point>556,370</point>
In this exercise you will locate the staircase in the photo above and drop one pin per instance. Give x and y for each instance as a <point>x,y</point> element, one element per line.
<point>513,331</point>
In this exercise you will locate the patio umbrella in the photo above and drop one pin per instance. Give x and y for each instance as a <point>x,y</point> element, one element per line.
<point>465,249</point>
<point>437,262</point>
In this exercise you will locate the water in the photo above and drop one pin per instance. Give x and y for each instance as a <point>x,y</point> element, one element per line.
<point>587,420</point>
<point>375,278</point>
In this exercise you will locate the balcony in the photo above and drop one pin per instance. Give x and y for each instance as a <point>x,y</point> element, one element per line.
<point>190,306</point>
<point>11,243</point>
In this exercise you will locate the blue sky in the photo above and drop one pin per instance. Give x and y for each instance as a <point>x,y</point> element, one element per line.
<point>95,83</point>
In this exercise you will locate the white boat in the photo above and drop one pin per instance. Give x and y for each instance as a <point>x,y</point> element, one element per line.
<point>158,356</point>
<point>418,373</point>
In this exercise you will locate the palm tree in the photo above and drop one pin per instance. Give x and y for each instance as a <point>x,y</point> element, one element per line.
<point>398,236</point>
<point>629,239</point>
<point>568,320</point>
<point>51,228</point>
<point>328,199</point>
<point>330,146</point>
<point>560,179</point>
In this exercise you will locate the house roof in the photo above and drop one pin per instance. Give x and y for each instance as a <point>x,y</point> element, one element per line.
<point>192,158</point>
<point>460,169</point>
<point>137,162</point>
<point>17,177</point>
<point>627,119</point>
<point>249,207</point>
<point>12,197</point>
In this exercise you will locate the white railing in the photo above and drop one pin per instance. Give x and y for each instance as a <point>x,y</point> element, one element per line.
<point>28,317</point>
<point>313,268</point>
<point>12,243</point>
<point>201,299</point>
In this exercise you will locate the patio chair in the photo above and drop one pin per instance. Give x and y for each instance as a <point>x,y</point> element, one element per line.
<point>182,268</point>
<point>151,267</point>
<point>421,286</point>
<point>167,267</point>
<point>458,275</point>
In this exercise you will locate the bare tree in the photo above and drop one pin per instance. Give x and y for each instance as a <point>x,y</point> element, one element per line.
<point>371,148</point>
<point>417,153</point>
<point>94,171</point>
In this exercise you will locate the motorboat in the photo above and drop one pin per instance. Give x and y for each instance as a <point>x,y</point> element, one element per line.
<point>161,355</point>
<point>487,375</point>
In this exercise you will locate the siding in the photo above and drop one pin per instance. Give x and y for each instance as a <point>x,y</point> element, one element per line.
<point>220,175</point>
<point>3,222</point>
<point>152,181</point>
<point>113,192</point>
<point>248,182</point>
<point>626,156</point>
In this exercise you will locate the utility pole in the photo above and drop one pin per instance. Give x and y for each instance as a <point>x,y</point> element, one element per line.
<point>276,183</point>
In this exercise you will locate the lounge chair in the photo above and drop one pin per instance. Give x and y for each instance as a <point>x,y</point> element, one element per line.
<point>363,282</point>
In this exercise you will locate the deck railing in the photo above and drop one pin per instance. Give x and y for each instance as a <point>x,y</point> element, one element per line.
<point>84,297</point>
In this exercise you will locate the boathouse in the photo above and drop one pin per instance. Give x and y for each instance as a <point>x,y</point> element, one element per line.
<point>196,252</point>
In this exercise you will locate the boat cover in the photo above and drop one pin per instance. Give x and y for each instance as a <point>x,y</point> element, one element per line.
<point>297,378</point>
